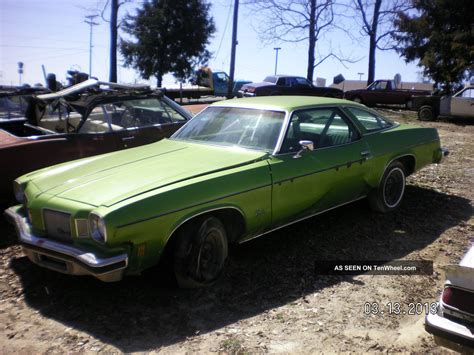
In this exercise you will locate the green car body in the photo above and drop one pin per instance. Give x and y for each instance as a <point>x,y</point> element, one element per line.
<point>144,196</point>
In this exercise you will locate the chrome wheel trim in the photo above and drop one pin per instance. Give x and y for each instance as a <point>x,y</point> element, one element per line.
<point>393,179</point>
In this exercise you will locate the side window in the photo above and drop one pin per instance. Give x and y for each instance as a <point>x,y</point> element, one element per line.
<point>302,82</point>
<point>281,81</point>
<point>370,121</point>
<point>221,77</point>
<point>468,93</point>
<point>324,127</point>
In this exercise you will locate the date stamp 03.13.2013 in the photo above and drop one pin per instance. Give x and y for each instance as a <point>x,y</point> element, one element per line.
<point>400,308</point>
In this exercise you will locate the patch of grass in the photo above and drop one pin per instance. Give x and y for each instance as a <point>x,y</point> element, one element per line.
<point>280,317</point>
<point>231,345</point>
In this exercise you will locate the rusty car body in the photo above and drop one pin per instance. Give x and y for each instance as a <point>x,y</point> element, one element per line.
<point>384,92</point>
<point>87,119</point>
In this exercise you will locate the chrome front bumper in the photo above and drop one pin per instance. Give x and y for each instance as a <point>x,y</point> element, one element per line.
<point>241,93</point>
<point>62,257</point>
<point>444,153</point>
<point>450,334</point>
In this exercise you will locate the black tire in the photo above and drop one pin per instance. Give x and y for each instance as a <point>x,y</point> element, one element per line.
<point>426,113</point>
<point>200,253</point>
<point>389,194</point>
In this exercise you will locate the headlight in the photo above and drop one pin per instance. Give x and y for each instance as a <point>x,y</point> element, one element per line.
<point>19,192</point>
<point>97,228</point>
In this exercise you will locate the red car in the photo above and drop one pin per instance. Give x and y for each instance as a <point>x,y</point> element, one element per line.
<point>86,119</point>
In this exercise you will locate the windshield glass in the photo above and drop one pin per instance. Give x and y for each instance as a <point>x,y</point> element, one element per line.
<point>232,126</point>
<point>137,113</point>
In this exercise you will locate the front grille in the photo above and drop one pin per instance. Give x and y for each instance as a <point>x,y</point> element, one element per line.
<point>58,225</point>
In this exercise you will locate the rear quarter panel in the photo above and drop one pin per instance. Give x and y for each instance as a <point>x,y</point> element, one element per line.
<point>422,144</point>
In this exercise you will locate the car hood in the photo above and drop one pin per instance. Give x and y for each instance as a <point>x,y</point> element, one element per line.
<point>110,178</point>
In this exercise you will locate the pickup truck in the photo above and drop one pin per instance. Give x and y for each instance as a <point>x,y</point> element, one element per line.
<point>287,85</point>
<point>206,83</point>
<point>384,92</point>
<point>461,104</point>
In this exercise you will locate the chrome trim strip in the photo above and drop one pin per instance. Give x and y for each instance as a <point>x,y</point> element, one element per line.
<point>347,164</point>
<point>87,258</point>
<point>301,219</point>
<point>283,129</point>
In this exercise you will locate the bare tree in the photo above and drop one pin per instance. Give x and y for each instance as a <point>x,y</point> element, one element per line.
<point>298,21</point>
<point>376,19</point>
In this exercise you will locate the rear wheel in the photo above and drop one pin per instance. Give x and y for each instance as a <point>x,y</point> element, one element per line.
<point>200,253</point>
<point>389,194</point>
<point>425,113</point>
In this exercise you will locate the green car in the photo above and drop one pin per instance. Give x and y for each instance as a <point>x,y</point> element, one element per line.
<point>239,169</point>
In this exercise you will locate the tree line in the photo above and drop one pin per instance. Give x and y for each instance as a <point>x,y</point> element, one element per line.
<point>171,36</point>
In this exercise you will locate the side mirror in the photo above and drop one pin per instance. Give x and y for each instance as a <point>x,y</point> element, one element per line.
<point>305,145</point>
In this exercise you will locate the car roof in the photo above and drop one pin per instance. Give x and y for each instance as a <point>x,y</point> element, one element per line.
<point>282,103</point>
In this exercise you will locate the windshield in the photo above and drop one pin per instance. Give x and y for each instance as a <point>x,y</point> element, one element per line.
<point>232,126</point>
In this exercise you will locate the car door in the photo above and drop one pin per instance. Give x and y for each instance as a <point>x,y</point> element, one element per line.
<point>462,104</point>
<point>330,175</point>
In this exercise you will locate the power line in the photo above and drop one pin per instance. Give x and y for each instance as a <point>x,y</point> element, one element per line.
<point>225,29</point>
<point>40,47</point>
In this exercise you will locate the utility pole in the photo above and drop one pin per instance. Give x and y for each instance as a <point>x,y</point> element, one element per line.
<point>91,23</point>
<point>232,54</point>
<point>360,76</point>
<point>20,71</point>
<point>276,58</point>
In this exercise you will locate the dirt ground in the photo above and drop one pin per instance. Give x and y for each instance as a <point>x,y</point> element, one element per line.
<point>269,299</point>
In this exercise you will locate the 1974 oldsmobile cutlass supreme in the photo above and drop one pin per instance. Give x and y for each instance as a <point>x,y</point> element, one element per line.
<point>237,170</point>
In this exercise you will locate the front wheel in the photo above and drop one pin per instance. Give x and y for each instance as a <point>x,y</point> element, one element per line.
<point>425,113</point>
<point>389,194</point>
<point>200,253</point>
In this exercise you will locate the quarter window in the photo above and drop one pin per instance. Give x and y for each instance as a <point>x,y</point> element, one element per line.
<point>370,121</point>
<point>325,127</point>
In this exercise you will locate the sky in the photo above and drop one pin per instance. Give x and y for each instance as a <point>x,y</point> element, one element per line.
<point>53,33</point>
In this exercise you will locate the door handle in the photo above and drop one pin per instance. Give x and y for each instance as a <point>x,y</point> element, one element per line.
<point>128,138</point>
<point>366,154</point>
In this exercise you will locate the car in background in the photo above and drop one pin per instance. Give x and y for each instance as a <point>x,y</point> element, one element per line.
<point>453,323</point>
<point>239,169</point>
<point>287,85</point>
<point>460,105</point>
<point>14,101</point>
<point>86,119</point>
<point>384,92</point>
